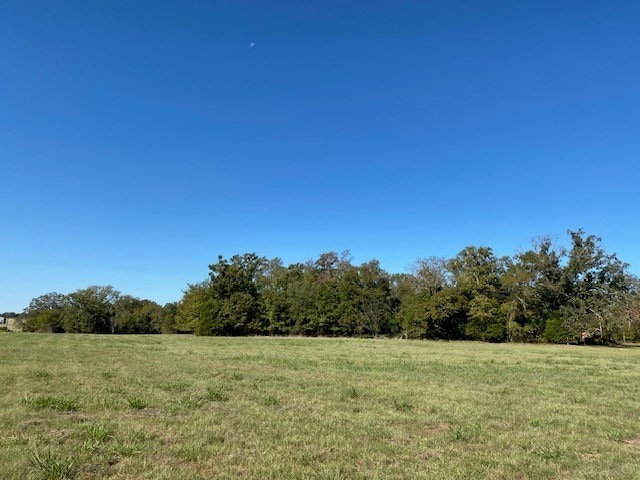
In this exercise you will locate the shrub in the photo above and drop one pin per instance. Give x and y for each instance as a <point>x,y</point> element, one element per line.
<point>555,331</point>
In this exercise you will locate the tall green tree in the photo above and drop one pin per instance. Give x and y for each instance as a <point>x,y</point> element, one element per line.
<point>231,303</point>
<point>90,310</point>
<point>477,274</point>
<point>133,315</point>
<point>196,311</point>
<point>593,283</point>
<point>534,295</point>
<point>45,314</point>
<point>377,302</point>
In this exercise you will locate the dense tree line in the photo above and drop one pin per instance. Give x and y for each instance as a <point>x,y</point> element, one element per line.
<point>97,309</point>
<point>546,293</point>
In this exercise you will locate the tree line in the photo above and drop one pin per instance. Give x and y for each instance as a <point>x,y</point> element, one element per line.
<point>579,294</point>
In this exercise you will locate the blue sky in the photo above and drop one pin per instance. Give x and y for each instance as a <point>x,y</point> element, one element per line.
<point>139,140</point>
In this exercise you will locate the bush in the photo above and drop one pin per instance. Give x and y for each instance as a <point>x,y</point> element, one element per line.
<point>555,331</point>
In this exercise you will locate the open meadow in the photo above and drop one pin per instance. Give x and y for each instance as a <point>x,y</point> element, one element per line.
<point>184,407</point>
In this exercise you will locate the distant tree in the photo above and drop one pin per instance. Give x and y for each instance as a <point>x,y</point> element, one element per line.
<point>534,295</point>
<point>234,285</point>
<point>377,303</point>
<point>628,318</point>
<point>476,270</point>
<point>593,283</point>
<point>195,312</point>
<point>227,303</point>
<point>477,274</point>
<point>90,310</point>
<point>44,321</point>
<point>278,287</point>
<point>485,321</point>
<point>45,314</point>
<point>442,315</point>
<point>169,314</point>
<point>430,274</point>
<point>133,315</point>
<point>48,301</point>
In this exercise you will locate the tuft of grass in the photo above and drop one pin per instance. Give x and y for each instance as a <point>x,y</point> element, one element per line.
<point>270,401</point>
<point>127,449</point>
<point>176,387</point>
<point>47,466</point>
<point>115,389</point>
<point>213,438</point>
<point>352,392</point>
<point>41,374</point>
<point>190,452</point>
<point>54,403</point>
<point>188,403</point>
<point>550,452</point>
<point>466,433</point>
<point>131,443</point>
<point>402,405</point>
<point>98,433</point>
<point>217,393</point>
<point>137,403</point>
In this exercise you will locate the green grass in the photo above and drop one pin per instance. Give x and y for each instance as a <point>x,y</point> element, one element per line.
<point>182,407</point>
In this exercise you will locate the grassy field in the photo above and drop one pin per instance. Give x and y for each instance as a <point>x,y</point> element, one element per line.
<point>182,407</point>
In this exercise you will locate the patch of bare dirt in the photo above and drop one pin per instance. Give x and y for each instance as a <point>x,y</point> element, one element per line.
<point>634,441</point>
<point>428,454</point>
<point>440,428</point>
<point>589,456</point>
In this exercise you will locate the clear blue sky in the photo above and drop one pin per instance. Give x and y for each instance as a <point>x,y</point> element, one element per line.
<point>140,139</point>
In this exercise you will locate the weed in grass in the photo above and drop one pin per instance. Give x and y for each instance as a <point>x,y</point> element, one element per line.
<point>131,445</point>
<point>190,452</point>
<point>237,376</point>
<point>137,403</point>
<point>107,375</point>
<point>107,404</point>
<point>551,452</point>
<point>402,405</point>
<point>15,440</point>
<point>174,387</point>
<point>188,403</point>
<point>352,392</point>
<point>98,433</point>
<point>333,473</point>
<point>54,403</point>
<point>217,393</point>
<point>270,401</point>
<point>127,449</point>
<point>114,389</point>
<point>41,374</point>
<point>46,466</point>
<point>613,433</point>
<point>466,433</point>
<point>214,438</point>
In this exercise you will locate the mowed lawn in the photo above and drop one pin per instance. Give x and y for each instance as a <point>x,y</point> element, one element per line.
<point>183,407</point>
